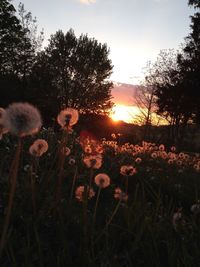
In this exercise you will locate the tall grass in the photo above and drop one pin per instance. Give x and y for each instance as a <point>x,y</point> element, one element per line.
<point>143,218</point>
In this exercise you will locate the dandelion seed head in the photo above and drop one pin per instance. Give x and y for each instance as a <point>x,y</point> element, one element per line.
<point>102,180</point>
<point>88,149</point>
<point>119,194</point>
<point>67,151</point>
<point>177,218</point>
<point>196,167</point>
<point>128,170</point>
<point>38,148</point>
<point>67,117</point>
<point>113,135</point>
<point>72,161</point>
<point>182,155</point>
<point>79,193</point>
<point>173,148</point>
<point>195,208</point>
<point>161,147</point>
<point>138,160</point>
<point>154,155</point>
<point>93,161</point>
<point>22,119</point>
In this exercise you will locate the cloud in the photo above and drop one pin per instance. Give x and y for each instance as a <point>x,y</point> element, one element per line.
<point>160,1</point>
<point>87,2</point>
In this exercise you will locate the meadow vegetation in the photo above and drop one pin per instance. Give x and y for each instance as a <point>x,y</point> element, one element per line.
<point>70,200</point>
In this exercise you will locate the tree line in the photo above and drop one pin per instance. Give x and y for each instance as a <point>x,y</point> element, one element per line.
<point>171,87</point>
<point>70,71</point>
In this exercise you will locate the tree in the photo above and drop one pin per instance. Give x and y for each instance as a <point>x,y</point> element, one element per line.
<point>10,34</point>
<point>171,93</point>
<point>189,62</point>
<point>19,44</point>
<point>76,71</point>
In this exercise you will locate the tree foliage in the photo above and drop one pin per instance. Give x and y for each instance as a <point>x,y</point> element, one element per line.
<point>70,71</point>
<point>19,44</point>
<point>176,77</point>
<point>73,72</point>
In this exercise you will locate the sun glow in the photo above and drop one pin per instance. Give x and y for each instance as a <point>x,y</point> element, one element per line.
<point>124,113</point>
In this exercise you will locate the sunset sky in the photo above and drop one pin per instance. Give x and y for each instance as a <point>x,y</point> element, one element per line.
<point>134,30</point>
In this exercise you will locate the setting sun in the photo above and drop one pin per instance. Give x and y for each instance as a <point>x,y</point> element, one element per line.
<point>124,113</point>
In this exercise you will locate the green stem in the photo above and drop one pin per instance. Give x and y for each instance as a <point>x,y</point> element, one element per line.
<point>110,220</point>
<point>96,204</point>
<point>73,184</point>
<point>61,166</point>
<point>13,176</point>
<point>90,180</point>
<point>33,190</point>
<point>126,184</point>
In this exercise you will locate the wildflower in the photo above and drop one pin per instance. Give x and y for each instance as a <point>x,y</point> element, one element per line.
<point>22,119</point>
<point>196,167</point>
<point>79,193</point>
<point>93,161</point>
<point>172,155</point>
<point>173,148</point>
<point>128,170</point>
<point>119,194</point>
<point>88,149</point>
<point>170,161</point>
<point>26,167</point>
<point>67,151</point>
<point>164,155</point>
<point>67,117</point>
<point>38,148</point>
<point>102,180</point>
<point>178,218</point>
<point>113,136</point>
<point>138,160</point>
<point>99,149</point>
<point>179,162</point>
<point>181,155</point>
<point>154,155</point>
<point>72,161</point>
<point>195,208</point>
<point>161,148</point>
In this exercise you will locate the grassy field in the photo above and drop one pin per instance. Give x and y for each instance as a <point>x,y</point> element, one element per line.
<point>78,201</point>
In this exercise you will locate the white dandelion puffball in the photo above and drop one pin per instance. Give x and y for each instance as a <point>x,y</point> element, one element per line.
<point>67,117</point>
<point>22,119</point>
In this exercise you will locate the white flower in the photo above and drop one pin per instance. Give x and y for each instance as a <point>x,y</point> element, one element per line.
<point>102,180</point>
<point>22,119</point>
<point>67,117</point>
<point>38,148</point>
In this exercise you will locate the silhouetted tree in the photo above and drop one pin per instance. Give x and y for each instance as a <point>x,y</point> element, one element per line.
<point>73,72</point>
<point>170,91</point>
<point>19,44</point>
<point>10,38</point>
<point>189,62</point>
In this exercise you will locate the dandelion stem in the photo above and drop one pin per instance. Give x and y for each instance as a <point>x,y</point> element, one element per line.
<point>73,184</point>
<point>113,214</point>
<point>13,175</point>
<point>126,184</point>
<point>61,165</point>
<point>96,204</point>
<point>110,220</point>
<point>90,180</point>
<point>33,198</point>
